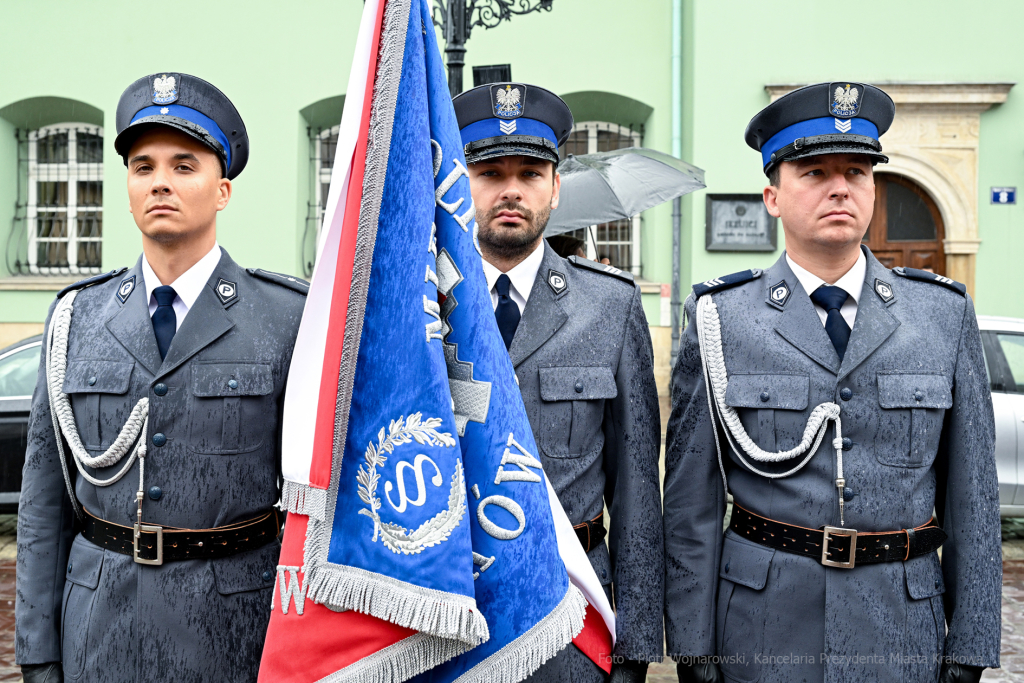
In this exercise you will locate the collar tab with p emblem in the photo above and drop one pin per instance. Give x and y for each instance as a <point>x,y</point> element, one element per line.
<point>779,294</point>
<point>884,291</point>
<point>556,281</point>
<point>125,289</point>
<point>227,291</point>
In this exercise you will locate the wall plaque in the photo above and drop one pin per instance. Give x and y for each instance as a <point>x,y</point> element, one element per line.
<point>738,222</point>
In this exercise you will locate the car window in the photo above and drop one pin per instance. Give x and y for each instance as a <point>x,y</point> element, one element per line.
<point>1013,349</point>
<point>18,372</point>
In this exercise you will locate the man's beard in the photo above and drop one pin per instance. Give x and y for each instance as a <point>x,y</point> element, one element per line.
<point>510,242</point>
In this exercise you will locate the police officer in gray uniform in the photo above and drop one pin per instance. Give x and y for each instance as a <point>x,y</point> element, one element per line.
<point>158,405</point>
<point>581,348</point>
<point>849,416</point>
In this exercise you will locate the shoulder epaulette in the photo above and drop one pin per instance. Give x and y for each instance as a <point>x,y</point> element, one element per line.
<point>719,283</point>
<point>293,283</point>
<point>90,281</point>
<point>925,276</point>
<point>587,264</point>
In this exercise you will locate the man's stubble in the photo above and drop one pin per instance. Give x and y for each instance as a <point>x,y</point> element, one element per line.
<point>509,243</point>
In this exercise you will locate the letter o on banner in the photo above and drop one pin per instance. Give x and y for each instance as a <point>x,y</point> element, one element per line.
<point>493,529</point>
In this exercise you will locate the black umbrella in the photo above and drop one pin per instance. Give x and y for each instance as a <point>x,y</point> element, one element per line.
<point>609,186</point>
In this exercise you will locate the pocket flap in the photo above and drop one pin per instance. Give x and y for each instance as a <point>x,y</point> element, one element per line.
<point>744,562</point>
<point>924,576</point>
<point>85,563</point>
<point>97,377</point>
<point>248,571</point>
<point>897,390</point>
<point>768,392</point>
<point>577,383</point>
<point>232,379</point>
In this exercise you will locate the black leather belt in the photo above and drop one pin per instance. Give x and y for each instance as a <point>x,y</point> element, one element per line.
<point>838,546</point>
<point>591,532</point>
<point>158,544</point>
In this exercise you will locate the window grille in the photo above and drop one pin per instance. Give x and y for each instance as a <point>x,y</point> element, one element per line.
<point>323,145</point>
<point>64,209</point>
<point>618,241</point>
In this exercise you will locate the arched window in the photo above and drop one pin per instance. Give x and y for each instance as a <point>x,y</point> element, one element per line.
<point>618,241</point>
<point>65,199</point>
<point>906,228</point>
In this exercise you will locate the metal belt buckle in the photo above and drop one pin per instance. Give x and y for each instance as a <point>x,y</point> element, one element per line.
<point>840,531</point>
<point>159,531</point>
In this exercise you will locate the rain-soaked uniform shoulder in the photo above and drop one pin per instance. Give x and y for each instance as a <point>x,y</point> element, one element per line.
<point>293,283</point>
<point>90,281</point>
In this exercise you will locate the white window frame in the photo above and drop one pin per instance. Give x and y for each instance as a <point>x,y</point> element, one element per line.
<point>323,177</point>
<point>592,244</point>
<point>70,173</point>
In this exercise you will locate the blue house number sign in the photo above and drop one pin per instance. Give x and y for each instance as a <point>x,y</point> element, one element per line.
<point>1004,195</point>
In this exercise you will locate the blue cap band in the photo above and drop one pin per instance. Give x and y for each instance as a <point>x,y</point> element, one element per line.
<point>192,116</point>
<point>492,128</point>
<point>827,125</point>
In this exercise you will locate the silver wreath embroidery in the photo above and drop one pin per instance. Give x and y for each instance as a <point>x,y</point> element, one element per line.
<point>435,530</point>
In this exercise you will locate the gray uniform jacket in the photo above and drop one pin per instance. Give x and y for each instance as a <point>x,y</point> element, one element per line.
<point>919,419</point>
<point>106,618</point>
<point>583,357</point>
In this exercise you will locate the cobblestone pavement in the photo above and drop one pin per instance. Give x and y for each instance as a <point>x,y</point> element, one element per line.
<point>1013,608</point>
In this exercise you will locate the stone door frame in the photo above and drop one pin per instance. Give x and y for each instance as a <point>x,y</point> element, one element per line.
<point>934,142</point>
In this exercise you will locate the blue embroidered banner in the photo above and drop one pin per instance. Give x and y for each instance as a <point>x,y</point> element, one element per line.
<point>437,517</point>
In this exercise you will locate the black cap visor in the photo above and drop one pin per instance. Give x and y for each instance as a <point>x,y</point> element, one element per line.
<point>511,146</point>
<point>817,145</point>
<point>124,141</point>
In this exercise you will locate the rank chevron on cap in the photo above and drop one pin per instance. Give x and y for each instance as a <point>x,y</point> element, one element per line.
<point>508,127</point>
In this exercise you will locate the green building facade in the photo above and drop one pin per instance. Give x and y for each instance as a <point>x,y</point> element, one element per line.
<point>951,68</point>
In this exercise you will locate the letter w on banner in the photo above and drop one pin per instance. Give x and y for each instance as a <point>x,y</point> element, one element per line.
<point>423,537</point>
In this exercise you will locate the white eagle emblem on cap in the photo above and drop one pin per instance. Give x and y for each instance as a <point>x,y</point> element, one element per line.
<point>164,89</point>
<point>508,101</point>
<point>845,101</point>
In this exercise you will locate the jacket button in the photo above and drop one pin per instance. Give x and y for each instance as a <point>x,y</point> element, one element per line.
<point>91,381</point>
<point>849,494</point>
<point>159,439</point>
<point>579,387</point>
<point>268,575</point>
<point>156,493</point>
<point>726,567</point>
<point>918,395</point>
<point>936,584</point>
<point>70,567</point>
<point>604,573</point>
<point>846,394</point>
<point>160,389</point>
<point>764,397</point>
<point>847,443</point>
<point>232,384</point>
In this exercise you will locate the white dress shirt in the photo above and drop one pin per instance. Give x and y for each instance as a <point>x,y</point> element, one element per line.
<point>188,286</point>
<point>522,277</point>
<point>852,282</point>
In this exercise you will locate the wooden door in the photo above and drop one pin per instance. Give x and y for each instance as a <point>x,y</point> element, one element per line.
<point>906,228</point>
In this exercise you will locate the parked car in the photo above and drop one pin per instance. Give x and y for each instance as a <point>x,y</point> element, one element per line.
<point>1003,342</point>
<point>18,366</point>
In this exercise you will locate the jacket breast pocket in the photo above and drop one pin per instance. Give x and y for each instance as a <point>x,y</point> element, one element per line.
<point>910,420</point>
<point>740,616</point>
<point>771,407</point>
<point>230,404</point>
<point>572,409</point>
<point>99,399</point>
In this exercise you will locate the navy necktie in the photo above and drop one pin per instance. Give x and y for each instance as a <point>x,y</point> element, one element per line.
<point>832,298</point>
<point>507,312</point>
<point>165,323</point>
